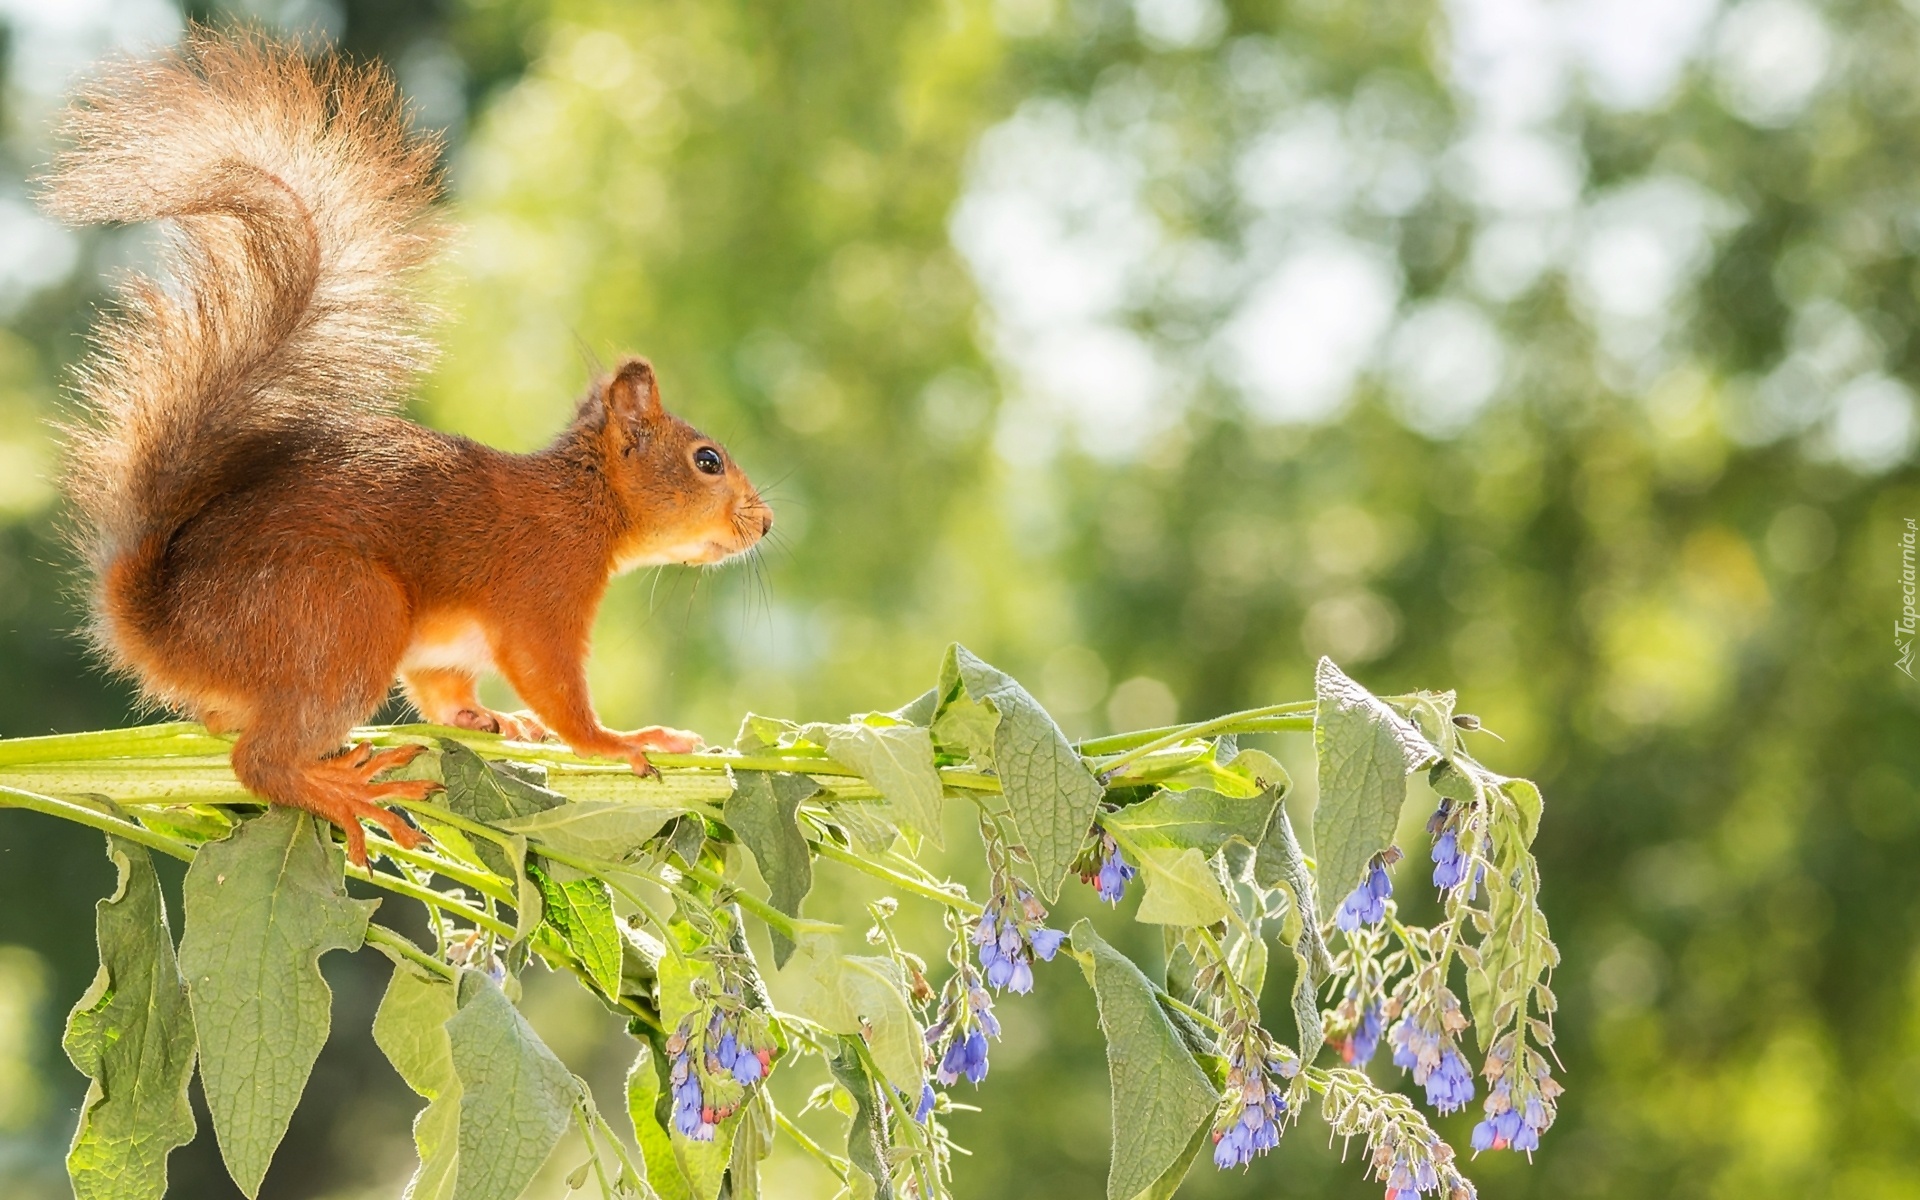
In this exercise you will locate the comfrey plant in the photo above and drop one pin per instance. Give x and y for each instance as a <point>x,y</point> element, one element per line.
<point>637,889</point>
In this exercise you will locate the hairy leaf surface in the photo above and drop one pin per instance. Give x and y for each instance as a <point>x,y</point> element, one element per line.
<point>1161,1097</point>
<point>867,1134</point>
<point>761,812</point>
<point>516,1098</point>
<point>131,1034</point>
<point>849,994</point>
<point>611,831</point>
<point>1197,819</point>
<point>1280,864</point>
<point>579,914</point>
<point>262,906</point>
<point>1181,887</point>
<point>410,1029</point>
<point>898,761</point>
<point>650,1108</point>
<point>1049,791</point>
<point>1364,750</point>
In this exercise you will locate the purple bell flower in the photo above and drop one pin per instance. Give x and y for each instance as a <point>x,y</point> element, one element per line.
<point>1367,903</point>
<point>976,1057</point>
<point>1111,877</point>
<point>1046,943</point>
<point>1358,1047</point>
<point>1450,1085</point>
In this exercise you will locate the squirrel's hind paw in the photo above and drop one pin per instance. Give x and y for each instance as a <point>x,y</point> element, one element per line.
<point>342,790</point>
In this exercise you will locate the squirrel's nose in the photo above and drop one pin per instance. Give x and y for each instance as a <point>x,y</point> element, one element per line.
<point>766,521</point>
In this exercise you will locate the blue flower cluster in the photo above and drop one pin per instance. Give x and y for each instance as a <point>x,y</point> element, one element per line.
<point>1510,1123</point>
<point>1450,862</point>
<point>1008,942</point>
<point>965,1035</point>
<point>1417,1163</point>
<point>1249,1125</point>
<point>1425,1047</point>
<point>1112,871</point>
<point>1363,1026</point>
<point>1407,1177</point>
<point>731,1060</point>
<point>1366,904</point>
<point>1449,865</point>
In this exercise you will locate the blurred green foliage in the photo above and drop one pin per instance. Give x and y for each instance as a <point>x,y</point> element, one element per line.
<point>1152,350</point>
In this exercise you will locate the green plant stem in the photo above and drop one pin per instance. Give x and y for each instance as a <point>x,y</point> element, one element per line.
<point>619,1149</point>
<point>80,814</point>
<point>1297,715</point>
<point>813,1148</point>
<point>380,935</point>
<point>479,881</point>
<point>426,895</point>
<point>771,916</point>
<point>1274,718</point>
<point>827,849</point>
<point>593,1152</point>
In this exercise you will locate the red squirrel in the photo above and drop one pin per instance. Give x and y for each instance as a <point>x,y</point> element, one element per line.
<point>271,545</point>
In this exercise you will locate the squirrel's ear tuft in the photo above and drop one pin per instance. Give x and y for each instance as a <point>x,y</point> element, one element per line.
<point>633,394</point>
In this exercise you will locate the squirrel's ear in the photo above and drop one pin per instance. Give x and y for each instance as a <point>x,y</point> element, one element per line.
<point>634,394</point>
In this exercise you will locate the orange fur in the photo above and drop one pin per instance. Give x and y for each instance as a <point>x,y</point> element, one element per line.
<point>271,545</point>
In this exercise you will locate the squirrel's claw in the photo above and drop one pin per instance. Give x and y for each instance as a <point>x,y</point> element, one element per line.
<point>643,768</point>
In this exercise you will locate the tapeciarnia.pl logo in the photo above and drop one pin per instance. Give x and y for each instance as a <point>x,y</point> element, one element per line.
<point>1903,629</point>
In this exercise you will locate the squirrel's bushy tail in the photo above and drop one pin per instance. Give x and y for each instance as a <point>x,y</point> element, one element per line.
<point>299,200</point>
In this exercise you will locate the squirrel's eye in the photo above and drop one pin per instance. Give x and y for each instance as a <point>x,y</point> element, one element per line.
<point>709,461</point>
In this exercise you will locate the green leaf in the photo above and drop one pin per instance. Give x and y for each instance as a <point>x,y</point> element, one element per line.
<point>1235,774</point>
<point>1196,819</point>
<point>131,1034</point>
<point>1447,779</point>
<point>1526,803</point>
<point>580,914</point>
<point>867,1134</point>
<point>1280,864</point>
<point>898,761</point>
<point>410,1029</point>
<point>752,1142</point>
<point>761,812</point>
<point>1164,1187</point>
<point>846,994</point>
<point>688,837</point>
<point>516,1098</point>
<point>1181,887</point>
<point>650,1107</point>
<point>1496,979</point>
<point>758,733</point>
<point>611,831</point>
<point>1161,1097</point>
<point>920,710</point>
<point>1432,714</point>
<point>1364,750</point>
<point>870,824</point>
<point>962,724</point>
<point>1050,793</point>
<point>490,793</point>
<point>262,906</point>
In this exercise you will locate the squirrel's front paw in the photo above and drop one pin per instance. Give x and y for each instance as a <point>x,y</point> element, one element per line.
<point>634,747</point>
<point>515,727</point>
<point>667,741</point>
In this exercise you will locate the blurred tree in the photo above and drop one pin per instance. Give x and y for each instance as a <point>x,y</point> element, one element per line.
<point>1560,354</point>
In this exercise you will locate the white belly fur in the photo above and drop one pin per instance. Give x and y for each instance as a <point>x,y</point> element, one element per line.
<point>449,645</point>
